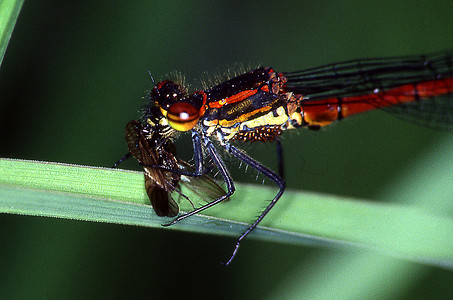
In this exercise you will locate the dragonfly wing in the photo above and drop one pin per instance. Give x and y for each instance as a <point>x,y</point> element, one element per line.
<point>436,112</point>
<point>418,89</point>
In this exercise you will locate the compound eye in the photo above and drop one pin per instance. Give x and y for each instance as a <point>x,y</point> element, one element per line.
<point>182,116</point>
<point>166,92</point>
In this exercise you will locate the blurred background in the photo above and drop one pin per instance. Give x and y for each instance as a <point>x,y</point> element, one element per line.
<point>74,74</point>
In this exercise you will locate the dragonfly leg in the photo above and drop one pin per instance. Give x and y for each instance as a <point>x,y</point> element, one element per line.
<point>197,152</point>
<point>268,173</point>
<point>281,165</point>
<point>226,176</point>
<point>125,156</point>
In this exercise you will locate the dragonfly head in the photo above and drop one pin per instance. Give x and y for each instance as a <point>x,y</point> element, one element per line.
<point>182,112</point>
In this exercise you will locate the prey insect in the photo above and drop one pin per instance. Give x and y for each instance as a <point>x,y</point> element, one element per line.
<point>153,149</point>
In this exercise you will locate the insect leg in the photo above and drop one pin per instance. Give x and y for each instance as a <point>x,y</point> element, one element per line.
<point>226,176</point>
<point>265,171</point>
<point>125,156</point>
<point>281,165</point>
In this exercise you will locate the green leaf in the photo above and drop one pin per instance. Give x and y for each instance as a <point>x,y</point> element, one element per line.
<point>118,196</point>
<point>9,12</point>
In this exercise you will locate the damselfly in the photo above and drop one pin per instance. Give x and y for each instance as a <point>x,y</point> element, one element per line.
<point>261,104</point>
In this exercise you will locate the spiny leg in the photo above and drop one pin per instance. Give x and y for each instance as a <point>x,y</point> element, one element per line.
<point>265,171</point>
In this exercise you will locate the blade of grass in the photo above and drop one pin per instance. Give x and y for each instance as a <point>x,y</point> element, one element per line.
<point>118,196</point>
<point>9,12</point>
<point>101,195</point>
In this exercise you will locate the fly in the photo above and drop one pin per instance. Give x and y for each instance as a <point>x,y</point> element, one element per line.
<point>153,149</point>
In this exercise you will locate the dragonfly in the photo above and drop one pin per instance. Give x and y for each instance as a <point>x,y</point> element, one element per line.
<point>258,106</point>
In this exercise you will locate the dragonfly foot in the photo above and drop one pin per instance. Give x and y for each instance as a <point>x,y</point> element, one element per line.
<point>174,221</point>
<point>236,248</point>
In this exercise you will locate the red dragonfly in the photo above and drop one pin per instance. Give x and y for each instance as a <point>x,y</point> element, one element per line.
<point>261,104</point>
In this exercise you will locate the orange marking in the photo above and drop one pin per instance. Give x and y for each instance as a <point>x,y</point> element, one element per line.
<point>203,106</point>
<point>233,99</point>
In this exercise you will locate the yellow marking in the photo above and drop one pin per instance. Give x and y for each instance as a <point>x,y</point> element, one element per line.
<point>150,122</point>
<point>297,117</point>
<point>266,120</point>
<point>229,130</point>
<point>242,118</point>
<point>210,129</point>
<point>163,122</point>
<point>163,111</point>
<point>246,118</point>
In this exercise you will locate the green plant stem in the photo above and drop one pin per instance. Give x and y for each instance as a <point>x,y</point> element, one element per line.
<point>118,196</point>
<point>9,12</point>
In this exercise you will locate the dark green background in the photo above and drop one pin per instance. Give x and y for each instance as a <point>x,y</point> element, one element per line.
<point>74,74</point>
